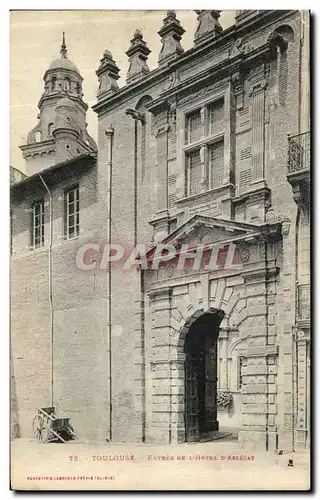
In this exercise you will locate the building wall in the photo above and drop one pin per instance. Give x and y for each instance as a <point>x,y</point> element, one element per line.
<point>79,343</point>
<point>281,116</point>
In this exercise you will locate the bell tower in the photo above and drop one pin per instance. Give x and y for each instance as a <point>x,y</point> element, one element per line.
<point>61,131</point>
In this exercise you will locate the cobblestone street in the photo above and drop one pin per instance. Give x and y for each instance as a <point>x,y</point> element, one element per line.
<point>217,465</point>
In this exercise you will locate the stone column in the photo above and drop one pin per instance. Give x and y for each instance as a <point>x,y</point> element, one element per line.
<point>258,429</point>
<point>227,137</point>
<point>162,169</point>
<point>257,93</point>
<point>161,367</point>
<point>302,386</point>
<point>224,359</point>
<point>305,72</point>
<point>139,367</point>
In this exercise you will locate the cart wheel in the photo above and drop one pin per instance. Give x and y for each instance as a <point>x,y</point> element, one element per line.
<point>40,429</point>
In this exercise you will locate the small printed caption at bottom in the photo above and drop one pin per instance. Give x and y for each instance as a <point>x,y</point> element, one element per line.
<point>133,458</point>
<point>200,457</point>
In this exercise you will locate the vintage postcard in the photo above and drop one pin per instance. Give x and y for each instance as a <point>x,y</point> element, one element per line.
<point>160,250</point>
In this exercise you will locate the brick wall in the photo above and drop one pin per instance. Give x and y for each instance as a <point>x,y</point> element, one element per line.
<point>79,315</point>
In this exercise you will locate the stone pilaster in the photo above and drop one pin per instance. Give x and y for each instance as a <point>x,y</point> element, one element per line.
<point>257,93</point>
<point>167,374</point>
<point>223,354</point>
<point>162,168</point>
<point>238,90</point>
<point>160,364</point>
<point>139,367</point>
<point>227,138</point>
<point>303,383</point>
<point>259,388</point>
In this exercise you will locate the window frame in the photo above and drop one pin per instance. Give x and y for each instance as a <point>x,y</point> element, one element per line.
<point>188,170</point>
<point>50,129</point>
<point>38,136</point>
<point>53,83</point>
<point>209,146</point>
<point>34,226</point>
<point>75,188</point>
<point>208,137</point>
<point>67,84</point>
<point>188,126</point>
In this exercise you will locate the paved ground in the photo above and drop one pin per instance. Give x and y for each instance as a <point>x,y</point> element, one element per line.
<point>102,466</point>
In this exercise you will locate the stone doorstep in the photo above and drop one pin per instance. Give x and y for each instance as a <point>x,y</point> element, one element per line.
<point>214,436</point>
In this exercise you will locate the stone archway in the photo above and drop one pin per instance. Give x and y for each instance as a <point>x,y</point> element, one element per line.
<point>200,350</point>
<point>172,310</point>
<point>171,315</point>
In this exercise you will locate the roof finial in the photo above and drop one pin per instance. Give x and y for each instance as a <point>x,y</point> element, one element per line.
<point>63,50</point>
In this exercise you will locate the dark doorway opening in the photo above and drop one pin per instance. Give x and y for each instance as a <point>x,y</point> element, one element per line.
<point>201,377</point>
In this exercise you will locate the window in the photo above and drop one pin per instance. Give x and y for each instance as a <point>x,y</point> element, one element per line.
<point>216,112</point>
<point>194,172</point>
<point>71,215</point>
<point>37,136</point>
<point>37,239</point>
<point>216,159</point>
<point>193,127</point>
<point>67,84</point>
<point>240,366</point>
<point>50,128</point>
<point>53,83</point>
<point>205,165</point>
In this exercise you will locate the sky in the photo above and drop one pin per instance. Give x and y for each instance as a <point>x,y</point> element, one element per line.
<point>35,39</point>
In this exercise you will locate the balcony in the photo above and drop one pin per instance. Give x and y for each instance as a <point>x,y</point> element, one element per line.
<point>303,303</point>
<point>298,173</point>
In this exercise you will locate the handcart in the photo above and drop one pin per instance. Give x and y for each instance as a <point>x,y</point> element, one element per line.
<point>47,427</point>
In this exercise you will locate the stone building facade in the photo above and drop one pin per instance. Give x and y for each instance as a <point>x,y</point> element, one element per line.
<point>210,148</point>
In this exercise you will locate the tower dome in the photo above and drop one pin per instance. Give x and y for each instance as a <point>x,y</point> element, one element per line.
<point>62,76</point>
<point>61,131</point>
<point>63,62</point>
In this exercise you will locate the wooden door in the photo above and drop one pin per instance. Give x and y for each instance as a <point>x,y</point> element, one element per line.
<point>210,420</point>
<point>191,399</point>
<point>200,382</point>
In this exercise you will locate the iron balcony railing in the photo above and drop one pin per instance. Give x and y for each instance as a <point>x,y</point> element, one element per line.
<point>299,153</point>
<point>303,302</point>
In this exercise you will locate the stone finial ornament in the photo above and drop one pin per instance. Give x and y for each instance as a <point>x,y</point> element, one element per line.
<point>63,50</point>
<point>171,33</point>
<point>208,25</point>
<point>138,54</point>
<point>108,74</point>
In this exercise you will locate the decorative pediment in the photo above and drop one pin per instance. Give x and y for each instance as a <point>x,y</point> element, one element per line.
<point>201,229</point>
<point>207,233</point>
<point>216,245</point>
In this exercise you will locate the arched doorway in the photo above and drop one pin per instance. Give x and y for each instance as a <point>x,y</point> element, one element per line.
<point>201,375</point>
